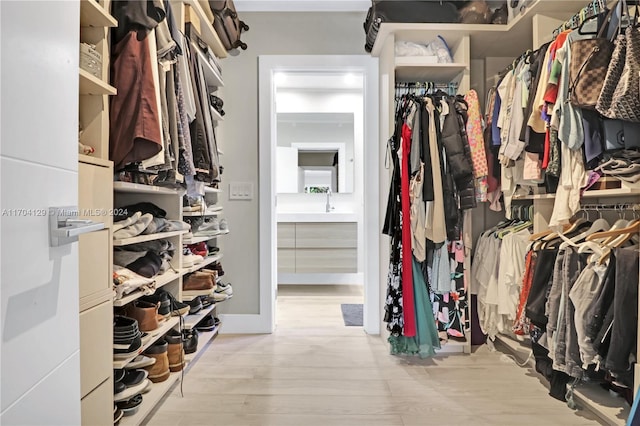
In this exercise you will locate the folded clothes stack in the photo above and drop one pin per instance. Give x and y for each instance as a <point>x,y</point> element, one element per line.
<point>126,281</point>
<point>147,258</point>
<point>623,165</point>
<point>144,219</point>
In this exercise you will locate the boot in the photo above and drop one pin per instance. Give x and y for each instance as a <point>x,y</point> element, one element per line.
<point>158,372</point>
<point>175,350</point>
<point>145,313</point>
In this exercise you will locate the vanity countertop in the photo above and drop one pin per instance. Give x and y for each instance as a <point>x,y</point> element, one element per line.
<point>318,217</point>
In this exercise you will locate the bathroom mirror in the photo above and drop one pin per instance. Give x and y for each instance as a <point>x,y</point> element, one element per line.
<point>315,152</point>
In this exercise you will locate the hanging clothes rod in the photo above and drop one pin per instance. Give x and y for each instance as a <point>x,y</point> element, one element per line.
<point>589,11</point>
<point>611,207</point>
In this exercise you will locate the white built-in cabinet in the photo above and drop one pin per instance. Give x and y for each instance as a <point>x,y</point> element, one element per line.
<point>98,193</point>
<point>488,49</point>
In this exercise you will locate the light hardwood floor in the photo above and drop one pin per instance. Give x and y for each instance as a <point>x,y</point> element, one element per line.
<point>315,371</point>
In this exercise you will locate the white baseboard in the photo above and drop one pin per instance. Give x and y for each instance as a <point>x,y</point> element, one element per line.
<point>321,279</point>
<point>244,324</point>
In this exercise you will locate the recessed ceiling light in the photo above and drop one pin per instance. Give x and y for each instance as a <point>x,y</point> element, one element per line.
<point>280,78</point>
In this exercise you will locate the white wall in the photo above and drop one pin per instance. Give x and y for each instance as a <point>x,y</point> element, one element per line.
<point>270,34</point>
<point>40,366</point>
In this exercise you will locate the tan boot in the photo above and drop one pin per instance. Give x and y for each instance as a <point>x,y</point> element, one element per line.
<point>198,284</point>
<point>158,372</point>
<point>175,351</point>
<point>145,313</point>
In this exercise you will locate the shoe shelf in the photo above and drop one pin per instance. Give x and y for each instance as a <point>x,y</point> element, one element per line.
<point>207,261</point>
<point>150,237</point>
<point>211,75</point>
<point>161,280</point>
<point>204,339</point>
<point>186,298</point>
<point>216,115</point>
<point>151,399</point>
<point>209,190</point>
<point>190,321</point>
<point>153,336</point>
<point>137,188</point>
<point>196,240</point>
<point>92,14</point>
<point>200,213</point>
<point>92,85</point>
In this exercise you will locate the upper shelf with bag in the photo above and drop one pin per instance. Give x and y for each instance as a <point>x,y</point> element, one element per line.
<point>487,40</point>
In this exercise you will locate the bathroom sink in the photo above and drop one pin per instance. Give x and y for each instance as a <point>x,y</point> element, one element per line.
<point>318,217</point>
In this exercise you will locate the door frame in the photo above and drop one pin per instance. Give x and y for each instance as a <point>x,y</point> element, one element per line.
<point>268,66</point>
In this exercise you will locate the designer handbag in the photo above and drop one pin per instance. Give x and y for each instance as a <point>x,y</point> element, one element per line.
<point>620,96</point>
<point>589,63</point>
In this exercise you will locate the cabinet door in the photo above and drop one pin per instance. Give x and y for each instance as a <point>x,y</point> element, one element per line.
<point>97,407</point>
<point>286,235</point>
<point>322,261</point>
<point>96,351</point>
<point>95,193</point>
<point>95,256</point>
<point>286,260</point>
<point>326,235</point>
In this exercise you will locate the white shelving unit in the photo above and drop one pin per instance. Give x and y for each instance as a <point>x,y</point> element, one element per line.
<point>149,237</point>
<point>151,399</point>
<point>136,188</point>
<point>160,280</point>
<point>190,321</point>
<point>196,240</point>
<point>203,213</point>
<point>216,115</point>
<point>206,262</point>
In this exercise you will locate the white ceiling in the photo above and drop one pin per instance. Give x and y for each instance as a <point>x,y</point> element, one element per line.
<point>302,5</point>
<point>318,81</point>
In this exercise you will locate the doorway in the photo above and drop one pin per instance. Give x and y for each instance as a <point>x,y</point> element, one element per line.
<point>323,190</point>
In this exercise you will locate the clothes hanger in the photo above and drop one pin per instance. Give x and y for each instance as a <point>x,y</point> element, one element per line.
<point>600,224</point>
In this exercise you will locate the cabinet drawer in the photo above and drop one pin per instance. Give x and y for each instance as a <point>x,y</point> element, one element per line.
<point>286,260</point>
<point>95,257</point>
<point>96,350</point>
<point>97,407</point>
<point>95,193</point>
<point>326,235</point>
<point>334,260</point>
<point>286,235</point>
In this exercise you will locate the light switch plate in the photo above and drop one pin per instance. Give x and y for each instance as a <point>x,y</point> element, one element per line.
<point>241,190</point>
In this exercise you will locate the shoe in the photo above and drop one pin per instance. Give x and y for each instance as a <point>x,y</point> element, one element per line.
<point>198,284</point>
<point>207,324</point>
<point>206,301</point>
<point>189,259</point>
<point>140,361</point>
<point>220,297</point>
<point>175,350</point>
<point>117,415</point>
<point>130,406</point>
<point>224,227</point>
<point>161,297</point>
<point>134,377</point>
<point>128,393</point>
<point>118,388</point>
<point>118,374</point>
<point>195,305</point>
<point>190,341</point>
<point>208,228</point>
<point>178,308</point>
<point>159,371</point>
<point>224,288</point>
<point>145,313</point>
<point>127,339</point>
<point>212,209</point>
<point>199,249</point>
<point>217,266</point>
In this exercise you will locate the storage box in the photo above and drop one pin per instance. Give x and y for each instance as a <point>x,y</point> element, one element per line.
<point>90,60</point>
<point>190,16</point>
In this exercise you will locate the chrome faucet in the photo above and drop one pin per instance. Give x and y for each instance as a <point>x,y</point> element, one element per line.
<point>329,207</point>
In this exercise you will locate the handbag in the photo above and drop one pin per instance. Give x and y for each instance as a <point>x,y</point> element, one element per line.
<point>620,96</point>
<point>620,134</point>
<point>589,63</point>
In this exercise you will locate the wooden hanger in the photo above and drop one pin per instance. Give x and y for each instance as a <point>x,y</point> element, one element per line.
<point>633,228</point>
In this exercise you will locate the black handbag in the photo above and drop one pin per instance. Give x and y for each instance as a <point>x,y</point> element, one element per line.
<point>620,134</point>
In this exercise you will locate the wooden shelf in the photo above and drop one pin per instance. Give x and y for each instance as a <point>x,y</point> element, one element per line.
<point>190,321</point>
<point>136,188</point>
<point>209,35</point>
<point>611,409</point>
<point>150,237</point>
<point>155,335</point>
<point>196,240</point>
<point>207,261</point>
<point>96,161</point>
<point>92,85</point>
<point>509,40</point>
<point>93,14</point>
<point>415,69</point>
<point>211,76</point>
<point>151,399</point>
<point>600,193</point>
<point>196,214</point>
<point>161,281</point>
<point>204,339</point>
<point>216,115</point>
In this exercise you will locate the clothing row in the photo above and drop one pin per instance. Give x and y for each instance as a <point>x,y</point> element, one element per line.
<point>161,118</point>
<point>439,174</point>
<point>574,292</point>
<point>538,135</point>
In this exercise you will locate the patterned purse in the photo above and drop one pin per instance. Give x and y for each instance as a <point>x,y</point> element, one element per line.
<point>589,63</point>
<point>620,96</point>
